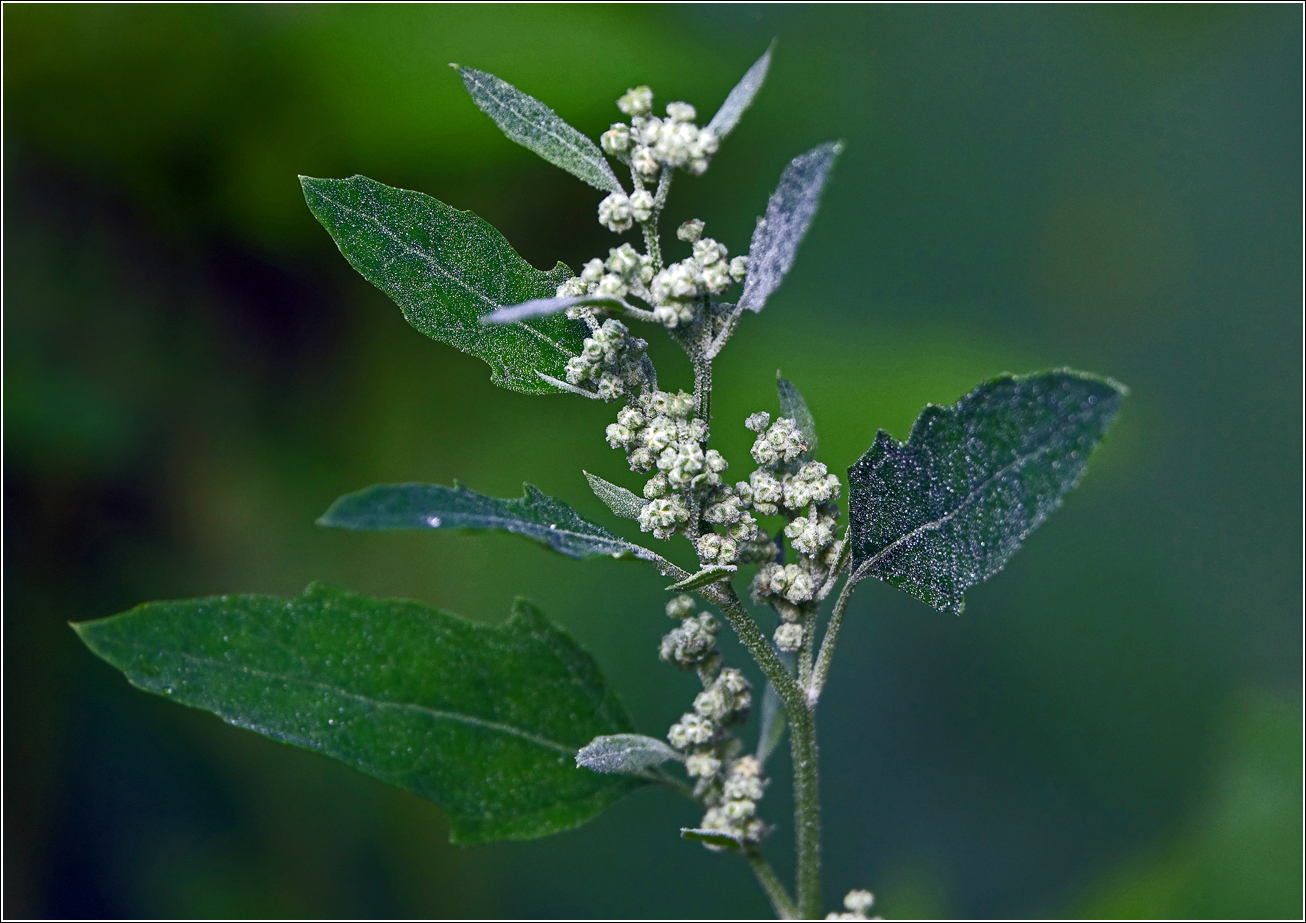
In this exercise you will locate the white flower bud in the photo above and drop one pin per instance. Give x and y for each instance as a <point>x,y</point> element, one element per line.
<point>572,288</point>
<point>618,436</point>
<point>592,272</point>
<point>641,460</point>
<point>637,101</point>
<point>859,901</point>
<point>656,487</point>
<point>708,251</point>
<point>641,205</point>
<point>614,213</point>
<point>681,112</point>
<point>758,422</point>
<point>622,260</point>
<point>680,607</point>
<point>702,765</point>
<point>690,231</point>
<point>610,387</point>
<point>716,279</point>
<point>789,636</point>
<point>739,268</point>
<point>616,140</point>
<point>643,161</point>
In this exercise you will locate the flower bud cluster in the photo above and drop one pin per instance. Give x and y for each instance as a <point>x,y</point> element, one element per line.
<point>612,363</point>
<point>623,272</point>
<point>691,642</point>
<point>650,143</point>
<point>856,903</point>
<point>708,270</point>
<point>733,807</point>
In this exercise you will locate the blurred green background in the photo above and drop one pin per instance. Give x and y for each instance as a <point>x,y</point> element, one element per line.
<point>193,373</point>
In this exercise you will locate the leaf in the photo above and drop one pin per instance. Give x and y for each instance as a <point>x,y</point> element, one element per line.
<point>947,508</point>
<point>788,215</point>
<point>718,838</point>
<point>625,754</point>
<point>542,307</point>
<point>484,721</point>
<point>622,502</point>
<point>794,407</point>
<point>533,125</point>
<point>535,515</point>
<point>445,268</point>
<point>739,99</point>
<point>710,574</point>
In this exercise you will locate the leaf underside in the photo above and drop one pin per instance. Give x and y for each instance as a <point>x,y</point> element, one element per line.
<point>741,97</point>
<point>534,515</point>
<point>484,721</point>
<point>621,501</point>
<point>625,754</point>
<point>445,268</point>
<point>535,126</point>
<point>794,407</point>
<point>946,509</point>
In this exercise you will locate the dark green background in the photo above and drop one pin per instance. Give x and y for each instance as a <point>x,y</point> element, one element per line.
<point>193,373</point>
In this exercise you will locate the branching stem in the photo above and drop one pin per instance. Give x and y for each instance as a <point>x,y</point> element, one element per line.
<point>775,890</point>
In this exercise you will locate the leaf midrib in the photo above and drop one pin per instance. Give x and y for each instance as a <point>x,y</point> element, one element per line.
<point>439,714</point>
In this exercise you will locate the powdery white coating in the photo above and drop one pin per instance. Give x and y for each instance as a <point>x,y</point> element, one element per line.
<point>946,509</point>
<point>789,213</point>
<point>533,125</point>
<point>542,307</point>
<point>625,754</point>
<point>621,501</point>
<point>741,97</point>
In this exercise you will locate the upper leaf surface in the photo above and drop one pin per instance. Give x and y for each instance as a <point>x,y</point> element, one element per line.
<point>622,502</point>
<point>947,508</point>
<point>484,721</point>
<point>789,214</point>
<point>445,268</point>
<point>741,97</point>
<point>533,125</point>
<point>433,506</point>
<point>625,754</point>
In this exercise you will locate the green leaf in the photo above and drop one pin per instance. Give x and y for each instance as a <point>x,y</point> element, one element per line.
<point>719,838</point>
<point>622,502</point>
<point>710,574</point>
<point>789,214</point>
<point>535,515</point>
<point>947,508</point>
<point>445,268</point>
<point>741,97</point>
<point>484,721</point>
<point>533,125</point>
<point>625,754</point>
<point>794,407</point>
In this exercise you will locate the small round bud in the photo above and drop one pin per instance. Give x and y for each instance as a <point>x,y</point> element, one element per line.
<point>637,101</point>
<point>614,212</point>
<point>690,231</point>
<point>859,901</point>
<point>593,271</point>
<point>644,162</point>
<point>758,422</point>
<point>789,636</point>
<point>641,205</point>
<point>681,112</point>
<point>573,288</point>
<point>616,140</point>
<point>708,251</point>
<point>680,607</point>
<point>702,765</point>
<point>739,268</point>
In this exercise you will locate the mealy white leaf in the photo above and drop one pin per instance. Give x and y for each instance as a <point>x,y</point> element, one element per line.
<point>740,97</point>
<point>625,754</point>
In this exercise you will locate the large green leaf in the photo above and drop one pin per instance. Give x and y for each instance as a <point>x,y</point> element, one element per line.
<point>445,268</point>
<point>947,508</point>
<point>433,506</point>
<point>484,721</point>
<point>535,126</point>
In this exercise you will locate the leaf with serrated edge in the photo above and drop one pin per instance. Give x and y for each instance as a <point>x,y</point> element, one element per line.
<point>535,515</point>
<point>535,126</point>
<point>794,407</point>
<point>484,721</point>
<point>445,268</point>
<point>711,574</point>
<point>622,502</point>
<point>739,99</point>
<point>788,215</point>
<point>625,754</point>
<point>946,509</point>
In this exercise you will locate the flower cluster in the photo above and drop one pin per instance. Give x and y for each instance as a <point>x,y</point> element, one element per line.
<point>623,272</point>
<point>650,143</point>
<point>612,364</point>
<point>709,270</point>
<point>856,903</point>
<point>728,785</point>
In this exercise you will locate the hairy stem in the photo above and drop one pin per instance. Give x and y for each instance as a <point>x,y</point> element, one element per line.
<point>807,809</point>
<point>822,670</point>
<point>766,877</point>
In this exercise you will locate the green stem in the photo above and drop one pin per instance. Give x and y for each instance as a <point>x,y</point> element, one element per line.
<point>807,809</point>
<point>822,670</point>
<point>766,877</point>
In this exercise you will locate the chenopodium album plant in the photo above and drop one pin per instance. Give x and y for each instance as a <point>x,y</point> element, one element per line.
<point>513,730</point>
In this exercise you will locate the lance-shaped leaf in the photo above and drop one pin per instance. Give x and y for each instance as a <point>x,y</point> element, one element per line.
<point>445,268</point>
<point>533,125</point>
<point>947,508</point>
<point>542,307</point>
<point>788,215</point>
<point>484,721</point>
<point>625,754</point>
<point>713,573</point>
<point>535,515</point>
<point>625,504</point>
<point>741,97</point>
<point>794,407</point>
<point>719,838</point>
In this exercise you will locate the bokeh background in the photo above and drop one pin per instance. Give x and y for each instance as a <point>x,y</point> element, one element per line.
<point>192,373</point>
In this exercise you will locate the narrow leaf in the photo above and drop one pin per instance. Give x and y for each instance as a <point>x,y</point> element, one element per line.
<point>445,268</point>
<point>794,407</point>
<point>625,754</point>
<point>533,125</point>
<point>946,509</point>
<point>484,721</point>
<point>739,99</point>
<point>788,215</point>
<point>542,307</point>
<point>707,575</point>
<point>536,515</point>
<point>625,504</point>
<point>718,838</point>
